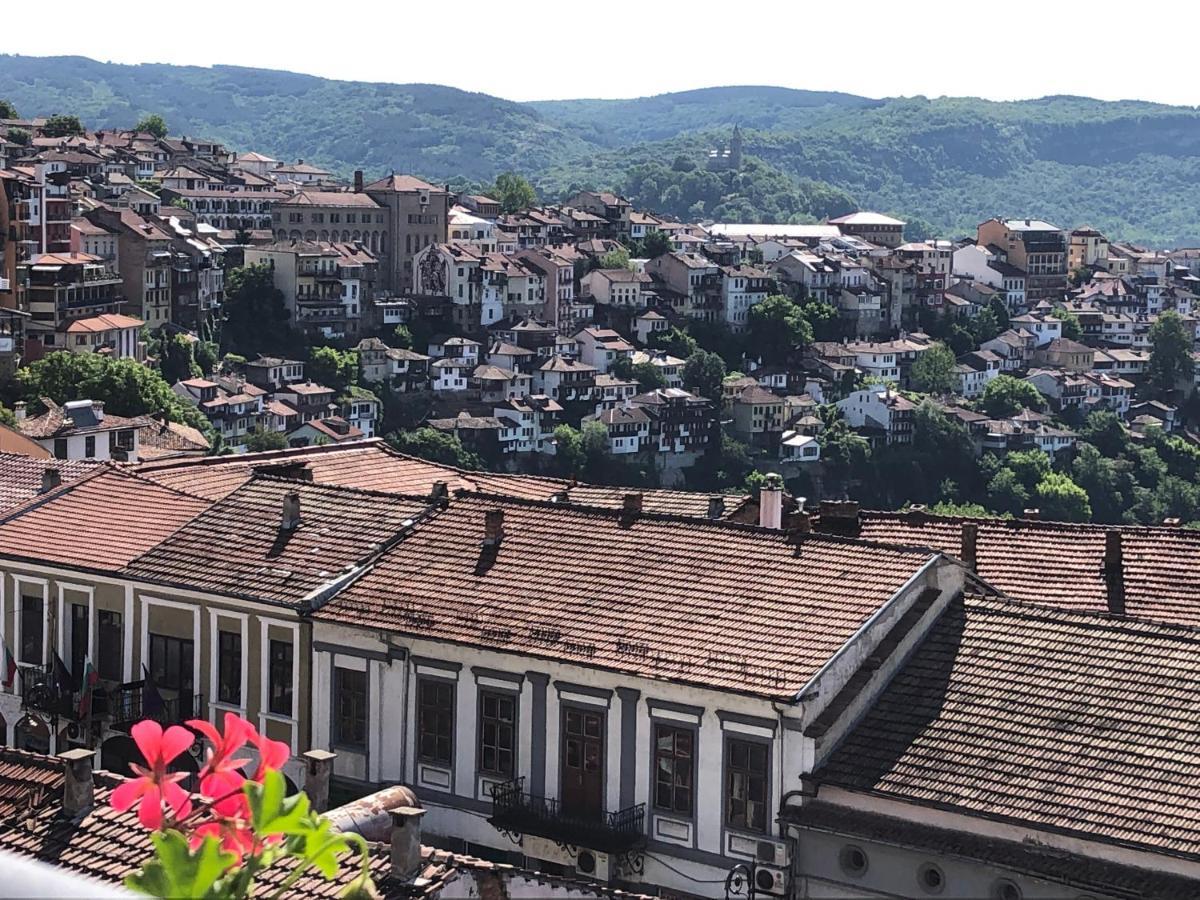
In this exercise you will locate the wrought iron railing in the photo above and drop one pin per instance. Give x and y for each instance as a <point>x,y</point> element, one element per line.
<point>517,811</point>
<point>43,690</point>
<point>129,704</point>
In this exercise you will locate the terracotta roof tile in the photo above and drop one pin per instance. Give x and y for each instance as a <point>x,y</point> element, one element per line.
<point>661,597</point>
<point>21,476</point>
<point>1070,722</point>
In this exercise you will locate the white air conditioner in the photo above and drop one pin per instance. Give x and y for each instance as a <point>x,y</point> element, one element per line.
<point>770,882</point>
<point>773,853</point>
<point>592,864</point>
<point>423,198</point>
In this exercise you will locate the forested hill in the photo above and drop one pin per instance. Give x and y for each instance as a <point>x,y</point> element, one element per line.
<point>1129,167</point>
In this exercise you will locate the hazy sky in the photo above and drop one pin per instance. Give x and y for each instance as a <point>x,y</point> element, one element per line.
<point>550,50</point>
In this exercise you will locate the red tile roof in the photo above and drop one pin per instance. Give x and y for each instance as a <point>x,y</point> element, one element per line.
<point>100,521</point>
<point>21,476</point>
<point>1068,722</point>
<point>660,597</point>
<point>1062,564</point>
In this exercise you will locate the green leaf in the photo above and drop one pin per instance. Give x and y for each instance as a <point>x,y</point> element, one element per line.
<point>179,871</point>
<point>272,812</point>
<point>322,847</point>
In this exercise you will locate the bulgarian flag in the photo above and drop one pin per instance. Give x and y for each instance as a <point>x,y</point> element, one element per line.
<point>10,668</point>
<point>90,677</point>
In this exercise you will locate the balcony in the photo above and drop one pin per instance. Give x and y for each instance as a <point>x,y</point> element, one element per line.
<point>127,705</point>
<point>43,690</point>
<point>516,811</point>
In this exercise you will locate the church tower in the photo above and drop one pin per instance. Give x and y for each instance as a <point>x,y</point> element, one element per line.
<point>735,150</point>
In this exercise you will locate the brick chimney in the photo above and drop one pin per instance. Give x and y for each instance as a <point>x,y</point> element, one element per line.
<point>290,519</point>
<point>970,539</point>
<point>770,503</point>
<point>358,181</point>
<point>1114,572</point>
<point>79,793</point>
<point>716,506</point>
<point>51,478</point>
<point>631,503</point>
<point>406,842</point>
<point>439,491</point>
<point>318,766</point>
<point>493,527</point>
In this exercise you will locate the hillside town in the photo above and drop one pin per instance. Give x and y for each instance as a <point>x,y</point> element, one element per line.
<point>573,551</point>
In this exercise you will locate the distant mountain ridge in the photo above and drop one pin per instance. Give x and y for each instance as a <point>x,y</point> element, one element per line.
<point>1129,167</point>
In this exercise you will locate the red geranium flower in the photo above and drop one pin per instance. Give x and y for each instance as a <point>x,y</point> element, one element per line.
<point>154,785</point>
<point>272,754</point>
<point>220,779</point>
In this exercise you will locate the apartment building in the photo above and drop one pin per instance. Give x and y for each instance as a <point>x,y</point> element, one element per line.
<point>416,214</point>
<point>1038,248</point>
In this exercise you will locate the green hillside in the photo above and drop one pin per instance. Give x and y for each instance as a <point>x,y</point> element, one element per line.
<point>1128,167</point>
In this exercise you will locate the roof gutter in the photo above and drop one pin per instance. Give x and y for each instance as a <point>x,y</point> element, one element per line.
<point>866,626</point>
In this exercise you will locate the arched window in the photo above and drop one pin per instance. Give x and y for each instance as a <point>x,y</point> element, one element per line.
<point>310,235</point>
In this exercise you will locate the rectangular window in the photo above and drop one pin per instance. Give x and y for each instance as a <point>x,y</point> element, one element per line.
<point>674,769</point>
<point>171,663</point>
<point>746,785</point>
<point>497,733</point>
<point>110,638</point>
<point>60,448</point>
<point>229,667</point>
<point>80,625</point>
<point>349,708</point>
<point>89,446</point>
<point>435,722</point>
<point>280,675</point>
<point>32,614</point>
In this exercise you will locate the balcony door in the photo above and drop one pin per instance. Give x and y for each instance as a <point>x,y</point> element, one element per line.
<point>583,763</point>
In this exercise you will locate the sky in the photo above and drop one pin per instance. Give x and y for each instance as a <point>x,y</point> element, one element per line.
<point>536,50</point>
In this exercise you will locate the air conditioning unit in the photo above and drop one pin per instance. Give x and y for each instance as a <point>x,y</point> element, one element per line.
<point>592,864</point>
<point>423,198</point>
<point>773,853</point>
<point>770,882</point>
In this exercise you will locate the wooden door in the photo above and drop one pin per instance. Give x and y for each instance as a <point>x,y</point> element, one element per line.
<point>583,763</point>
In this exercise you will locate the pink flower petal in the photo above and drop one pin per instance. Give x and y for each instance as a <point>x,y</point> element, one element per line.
<point>127,793</point>
<point>147,734</point>
<point>150,809</point>
<point>175,740</point>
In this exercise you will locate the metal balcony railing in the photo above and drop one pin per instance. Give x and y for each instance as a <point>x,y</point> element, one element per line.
<point>129,704</point>
<point>43,689</point>
<point>517,811</point>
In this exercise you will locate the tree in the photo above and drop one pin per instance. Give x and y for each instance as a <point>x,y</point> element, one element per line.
<point>205,354</point>
<point>7,418</point>
<point>933,371</point>
<point>62,126</point>
<point>1060,498</point>
<point>1070,323</point>
<point>648,376</point>
<point>1098,476</point>
<point>776,328</point>
<point>175,361</point>
<point>1000,310</point>
<point>984,326</point>
<point>675,342</point>
<point>435,446</point>
<point>703,373</point>
<point>960,340</point>
<point>513,193</point>
<point>1170,353</point>
<point>256,317</point>
<point>615,259</point>
<point>402,338</point>
<point>1007,396</point>
<point>20,136</point>
<point>333,368</point>
<point>843,451</point>
<point>7,110</point>
<point>261,439</point>
<point>655,243</point>
<point>1006,494</point>
<point>568,450</point>
<point>1103,430</point>
<point>152,124</point>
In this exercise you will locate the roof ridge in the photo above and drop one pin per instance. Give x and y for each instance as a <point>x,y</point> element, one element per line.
<point>249,458</point>
<point>258,477</point>
<point>34,502</point>
<point>1024,522</point>
<point>1097,617</point>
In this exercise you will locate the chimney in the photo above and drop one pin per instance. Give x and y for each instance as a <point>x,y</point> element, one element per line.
<point>970,538</point>
<point>770,502</point>
<point>440,491</point>
<point>291,511</point>
<point>79,794</point>
<point>19,410</point>
<point>1031,514</point>
<point>1172,522</point>
<point>51,478</point>
<point>716,506</point>
<point>98,410</point>
<point>799,524</point>
<point>1114,572</point>
<point>358,181</point>
<point>406,842</point>
<point>493,527</point>
<point>631,504</point>
<point>318,766</point>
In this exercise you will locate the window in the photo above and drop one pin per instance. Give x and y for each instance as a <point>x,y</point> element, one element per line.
<point>171,663</point>
<point>674,769</point>
<point>349,708</point>
<point>229,667</point>
<point>32,615</point>
<point>280,678</point>
<point>89,446</point>
<point>746,785</point>
<point>60,448</point>
<point>497,733</point>
<point>109,641</point>
<point>435,721</point>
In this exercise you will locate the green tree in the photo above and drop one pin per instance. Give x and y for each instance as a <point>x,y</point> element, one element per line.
<point>1099,477</point>
<point>843,451</point>
<point>1103,430</point>
<point>176,362</point>
<point>205,354</point>
<point>673,341</point>
<point>1070,323</point>
<point>435,446</point>
<point>402,338</point>
<point>333,368</point>
<point>513,193</point>
<point>7,110</point>
<point>1060,498</point>
<point>126,387</point>
<point>703,373</point>
<point>152,124</point>
<point>20,136</point>
<point>7,418</point>
<point>1006,494</point>
<point>648,376</point>
<point>1007,396</point>
<point>62,126</point>
<point>655,243</point>
<point>256,317</point>
<point>1170,353</point>
<point>569,457</point>
<point>615,259</point>
<point>960,340</point>
<point>933,371</point>
<point>984,326</point>
<point>1000,310</point>
<point>261,439</point>
<point>964,510</point>
<point>776,328</point>
<point>1029,466</point>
